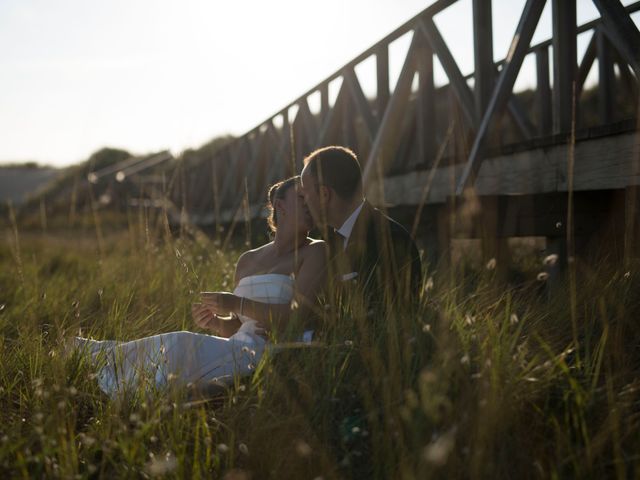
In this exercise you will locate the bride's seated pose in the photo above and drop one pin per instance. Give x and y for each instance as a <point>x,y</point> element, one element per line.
<point>273,284</point>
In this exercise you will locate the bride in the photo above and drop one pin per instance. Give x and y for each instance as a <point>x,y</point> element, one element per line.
<point>272,282</point>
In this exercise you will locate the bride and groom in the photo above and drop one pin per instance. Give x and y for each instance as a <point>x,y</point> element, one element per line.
<point>280,281</point>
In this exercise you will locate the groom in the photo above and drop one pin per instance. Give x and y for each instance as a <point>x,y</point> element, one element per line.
<point>372,249</point>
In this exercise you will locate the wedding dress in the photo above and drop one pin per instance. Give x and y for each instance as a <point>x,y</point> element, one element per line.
<point>183,358</point>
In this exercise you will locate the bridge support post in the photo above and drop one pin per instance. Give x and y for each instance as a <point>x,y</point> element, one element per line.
<point>495,248</point>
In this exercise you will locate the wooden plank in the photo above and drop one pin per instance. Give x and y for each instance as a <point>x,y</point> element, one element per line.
<point>502,91</point>
<point>563,14</point>
<point>606,77</point>
<point>543,92</point>
<point>459,84</point>
<point>621,30</point>
<point>361,102</point>
<point>603,163</point>
<point>382,78</point>
<point>385,142</point>
<point>483,55</point>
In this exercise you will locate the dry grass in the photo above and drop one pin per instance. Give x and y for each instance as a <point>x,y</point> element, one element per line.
<point>477,380</point>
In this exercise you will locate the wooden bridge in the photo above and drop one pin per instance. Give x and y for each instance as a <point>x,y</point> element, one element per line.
<point>469,158</point>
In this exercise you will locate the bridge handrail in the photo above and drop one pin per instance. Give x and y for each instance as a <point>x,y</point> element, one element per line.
<point>400,31</point>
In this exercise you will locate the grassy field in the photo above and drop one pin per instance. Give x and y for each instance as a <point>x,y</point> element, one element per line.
<point>478,380</point>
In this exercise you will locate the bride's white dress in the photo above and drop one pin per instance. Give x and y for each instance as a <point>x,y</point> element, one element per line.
<point>184,357</point>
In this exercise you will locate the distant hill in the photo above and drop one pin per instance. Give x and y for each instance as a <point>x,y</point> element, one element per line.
<point>17,182</point>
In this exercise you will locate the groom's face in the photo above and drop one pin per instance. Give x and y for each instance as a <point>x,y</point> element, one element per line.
<point>310,189</point>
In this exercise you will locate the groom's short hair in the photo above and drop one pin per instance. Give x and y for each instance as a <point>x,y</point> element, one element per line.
<point>336,167</point>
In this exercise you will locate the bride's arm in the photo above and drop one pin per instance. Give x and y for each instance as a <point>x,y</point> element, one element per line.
<point>309,282</point>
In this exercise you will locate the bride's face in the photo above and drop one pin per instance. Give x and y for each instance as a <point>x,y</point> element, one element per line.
<point>296,211</point>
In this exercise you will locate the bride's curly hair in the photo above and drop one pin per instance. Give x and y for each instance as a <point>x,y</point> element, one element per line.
<point>278,191</point>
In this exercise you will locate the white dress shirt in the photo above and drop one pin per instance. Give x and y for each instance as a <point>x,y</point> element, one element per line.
<point>347,227</point>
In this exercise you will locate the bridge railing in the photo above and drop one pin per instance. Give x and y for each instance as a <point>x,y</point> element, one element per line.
<point>403,129</point>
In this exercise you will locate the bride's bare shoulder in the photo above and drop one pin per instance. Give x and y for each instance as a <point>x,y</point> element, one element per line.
<point>251,256</point>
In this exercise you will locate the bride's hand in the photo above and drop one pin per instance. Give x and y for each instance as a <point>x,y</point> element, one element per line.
<point>221,303</point>
<point>202,315</point>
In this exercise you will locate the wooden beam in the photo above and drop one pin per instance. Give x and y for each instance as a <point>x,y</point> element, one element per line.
<point>502,91</point>
<point>621,30</point>
<point>483,55</point>
<point>382,77</point>
<point>606,78</point>
<point>459,84</point>
<point>361,102</point>
<point>388,132</point>
<point>564,63</point>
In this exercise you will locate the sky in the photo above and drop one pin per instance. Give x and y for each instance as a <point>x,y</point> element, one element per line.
<point>148,75</point>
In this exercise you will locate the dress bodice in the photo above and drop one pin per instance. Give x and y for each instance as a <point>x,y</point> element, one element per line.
<point>266,288</point>
<point>275,288</point>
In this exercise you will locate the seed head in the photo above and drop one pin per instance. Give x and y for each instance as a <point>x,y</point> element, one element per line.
<point>222,448</point>
<point>429,284</point>
<point>243,449</point>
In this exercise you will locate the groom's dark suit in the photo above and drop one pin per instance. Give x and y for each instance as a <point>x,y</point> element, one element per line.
<point>380,257</point>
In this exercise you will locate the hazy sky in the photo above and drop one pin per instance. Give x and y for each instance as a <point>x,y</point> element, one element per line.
<point>145,75</point>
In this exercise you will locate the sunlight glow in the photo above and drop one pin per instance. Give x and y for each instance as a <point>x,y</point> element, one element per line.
<point>150,75</point>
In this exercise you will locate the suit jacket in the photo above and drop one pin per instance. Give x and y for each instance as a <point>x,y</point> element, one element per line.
<point>380,257</point>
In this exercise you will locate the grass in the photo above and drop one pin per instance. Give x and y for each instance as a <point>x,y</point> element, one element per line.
<point>477,380</point>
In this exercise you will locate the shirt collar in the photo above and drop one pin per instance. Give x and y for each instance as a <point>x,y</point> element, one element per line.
<point>347,227</point>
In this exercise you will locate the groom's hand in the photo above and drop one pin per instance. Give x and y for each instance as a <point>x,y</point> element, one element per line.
<point>221,303</point>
